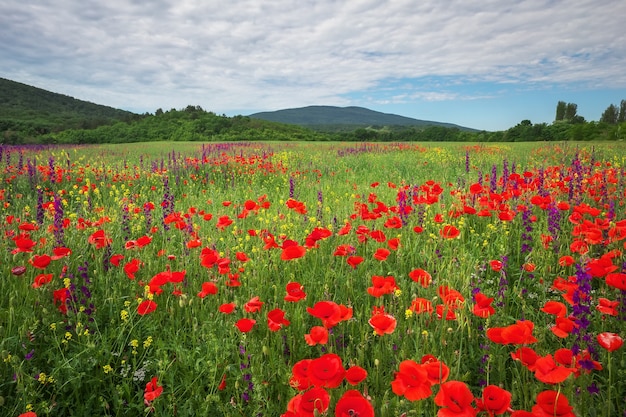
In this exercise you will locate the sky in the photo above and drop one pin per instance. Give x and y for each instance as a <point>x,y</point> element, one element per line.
<point>483,64</point>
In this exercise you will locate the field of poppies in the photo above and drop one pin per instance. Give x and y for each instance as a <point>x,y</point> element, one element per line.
<point>313,279</point>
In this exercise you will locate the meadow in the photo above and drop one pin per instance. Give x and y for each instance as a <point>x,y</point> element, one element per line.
<point>312,279</point>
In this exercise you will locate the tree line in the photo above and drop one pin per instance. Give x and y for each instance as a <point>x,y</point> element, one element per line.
<point>195,124</point>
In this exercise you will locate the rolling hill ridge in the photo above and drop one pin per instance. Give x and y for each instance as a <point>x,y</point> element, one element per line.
<point>345,118</point>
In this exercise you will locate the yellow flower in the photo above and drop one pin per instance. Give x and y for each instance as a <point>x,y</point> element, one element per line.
<point>107,369</point>
<point>147,342</point>
<point>408,313</point>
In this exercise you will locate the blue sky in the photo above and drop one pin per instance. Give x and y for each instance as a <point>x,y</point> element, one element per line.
<point>485,64</point>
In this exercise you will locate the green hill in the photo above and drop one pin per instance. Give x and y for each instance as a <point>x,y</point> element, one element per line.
<point>330,118</point>
<point>28,112</point>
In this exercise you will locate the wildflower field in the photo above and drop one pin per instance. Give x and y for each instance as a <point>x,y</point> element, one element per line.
<point>313,279</point>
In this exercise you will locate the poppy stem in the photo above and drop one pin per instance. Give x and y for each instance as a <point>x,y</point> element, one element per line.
<point>610,405</point>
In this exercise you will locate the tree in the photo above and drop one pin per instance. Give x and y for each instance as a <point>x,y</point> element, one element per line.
<point>610,115</point>
<point>560,110</point>
<point>570,111</point>
<point>622,112</point>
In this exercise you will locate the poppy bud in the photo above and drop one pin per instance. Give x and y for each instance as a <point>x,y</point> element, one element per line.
<point>18,270</point>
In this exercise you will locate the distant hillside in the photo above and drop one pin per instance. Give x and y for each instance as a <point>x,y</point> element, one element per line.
<point>28,112</point>
<point>331,118</point>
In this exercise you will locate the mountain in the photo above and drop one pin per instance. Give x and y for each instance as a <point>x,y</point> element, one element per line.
<point>28,112</point>
<point>331,118</point>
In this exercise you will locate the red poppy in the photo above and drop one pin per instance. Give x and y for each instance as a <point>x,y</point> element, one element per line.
<point>317,336</point>
<point>378,235</point>
<point>245,325</point>
<point>355,374</point>
<point>153,391</point>
<point>353,261</point>
<point>606,306</point>
<point>328,311</point>
<point>495,400</point>
<point>445,311</point>
<point>254,305</point>
<point>451,297</point>
<point>28,414</point>
<point>495,265</point>
<point>345,313</point>
<point>300,374</point>
<point>552,404</point>
<point>208,288</point>
<point>555,308</point>
<point>326,371</point>
<point>421,277</point>
<point>227,308</point>
<point>297,206</point>
<point>276,320</point>
<point>483,307</point>
<point>131,268</point>
<point>610,341</point>
<point>519,333</point>
<point>193,243</point>
<point>143,241</point>
<point>616,280</point>
<point>393,223</point>
<point>449,232</point>
<point>146,307</point>
<point>292,252</point>
<point>311,403</point>
<point>60,297</point>
<point>456,398</point>
<point>353,404</point>
<point>99,239</point>
<point>116,259</point>
<point>60,252</point>
<point>382,285</point>
<point>23,243</point>
<point>563,327</point>
<point>566,260</point>
<point>549,372</point>
<point>564,356</point>
<point>394,243</point>
<point>344,250</point>
<point>381,254</point>
<point>222,385</point>
<point>41,279</point>
<point>421,305</point>
<point>295,292</point>
<point>437,371</point>
<point>242,257</point>
<point>527,356</point>
<point>223,222</point>
<point>412,381</point>
<point>40,261</point>
<point>381,322</point>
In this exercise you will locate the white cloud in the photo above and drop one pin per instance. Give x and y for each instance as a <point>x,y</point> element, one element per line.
<point>251,54</point>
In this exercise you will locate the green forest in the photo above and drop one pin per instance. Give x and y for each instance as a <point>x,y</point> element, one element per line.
<point>29,115</point>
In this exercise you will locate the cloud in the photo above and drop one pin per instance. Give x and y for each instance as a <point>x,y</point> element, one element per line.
<point>250,54</point>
